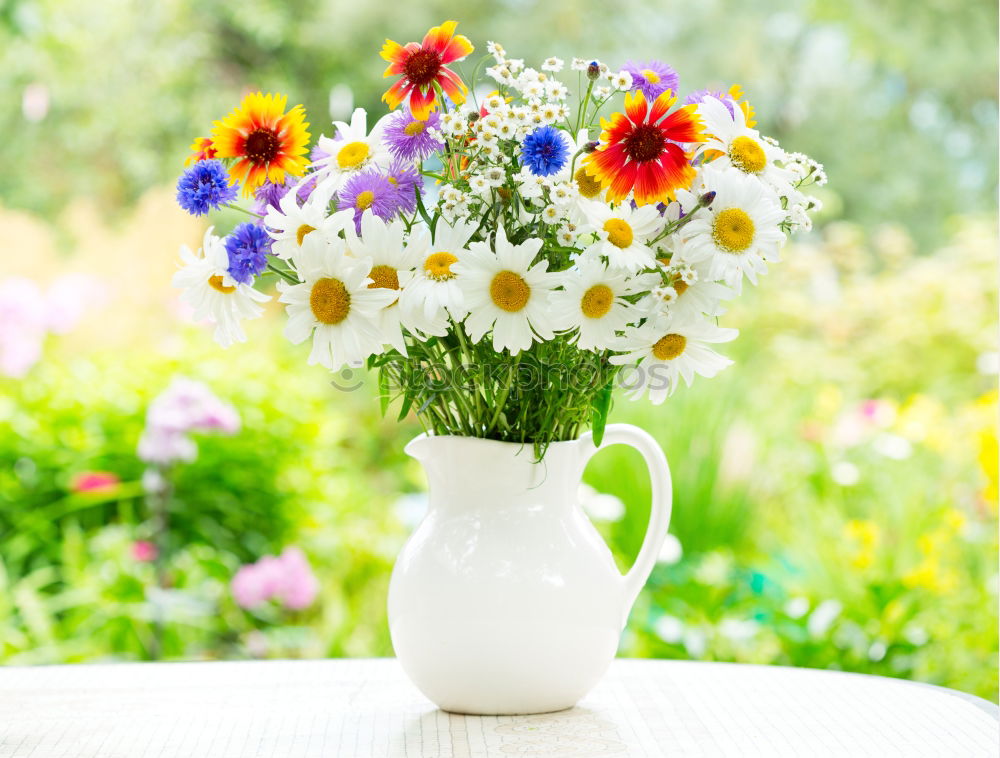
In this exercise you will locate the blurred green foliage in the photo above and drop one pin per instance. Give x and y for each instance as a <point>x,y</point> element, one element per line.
<point>898,100</point>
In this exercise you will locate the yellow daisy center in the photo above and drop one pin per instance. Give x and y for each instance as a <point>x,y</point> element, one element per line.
<point>215,282</point>
<point>586,184</point>
<point>509,291</point>
<point>669,346</point>
<point>352,155</point>
<point>597,301</point>
<point>330,301</point>
<point>302,231</point>
<point>437,266</point>
<point>651,76</point>
<point>384,277</point>
<point>733,230</point>
<point>414,128</point>
<point>619,232</point>
<point>680,286</point>
<point>364,200</point>
<point>747,155</point>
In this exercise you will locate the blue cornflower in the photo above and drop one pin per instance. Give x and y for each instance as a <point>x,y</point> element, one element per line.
<point>544,151</point>
<point>204,187</point>
<point>247,247</point>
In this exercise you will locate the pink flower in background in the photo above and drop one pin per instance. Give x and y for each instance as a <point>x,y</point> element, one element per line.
<point>94,481</point>
<point>22,325</point>
<point>185,406</point>
<point>26,315</point>
<point>287,578</point>
<point>69,297</point>
<point>144,551</point>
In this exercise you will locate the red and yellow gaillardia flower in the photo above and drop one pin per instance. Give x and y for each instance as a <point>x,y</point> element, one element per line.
<point>421,66</point>
<point>267,142</point>
<point>202,149</point>
<point>638,150</point>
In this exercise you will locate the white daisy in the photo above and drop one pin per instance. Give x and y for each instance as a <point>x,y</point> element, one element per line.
<point>687,291</point>
<point>741,147</point>
<point>392,267</point>
<point>667,348</point>
<point>622,233</point>
<point>739,232</point>
<point>290,223</point>
<point>352,150</point>
<point>507,294</point>
<point>434,292</point>
<point>213,294</point>
<point>334,304</point>
<point>592,302</point>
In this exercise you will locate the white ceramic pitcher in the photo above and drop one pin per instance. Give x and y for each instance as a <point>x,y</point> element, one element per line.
<point>505,599</point>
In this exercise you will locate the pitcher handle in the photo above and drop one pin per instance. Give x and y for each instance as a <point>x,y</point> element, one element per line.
<point>659,512</point>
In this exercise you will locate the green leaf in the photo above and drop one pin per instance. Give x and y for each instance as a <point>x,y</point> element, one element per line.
<point>407,402</point>
<point>601,405</point>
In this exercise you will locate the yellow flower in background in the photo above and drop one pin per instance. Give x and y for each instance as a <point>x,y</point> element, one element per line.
<point>988,449</point>
<point>923,419</point>
<point>267,142</point>
<point>929,574</point>
<point>866,536</point>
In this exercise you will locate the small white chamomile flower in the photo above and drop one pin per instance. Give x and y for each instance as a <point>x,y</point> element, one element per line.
<point>621,81</point>
<point>496,50</point>
<point>553,64</point>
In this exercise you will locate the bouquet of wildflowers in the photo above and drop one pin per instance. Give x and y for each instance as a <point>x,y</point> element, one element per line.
<point>502,252</point>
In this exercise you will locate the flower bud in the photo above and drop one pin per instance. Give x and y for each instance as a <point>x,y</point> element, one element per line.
<point>706,200</point>
<point>591,146</point>
<point>593,71</point>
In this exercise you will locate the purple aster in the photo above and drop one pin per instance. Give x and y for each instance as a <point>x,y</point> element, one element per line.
<point>698,96</point>
<point>408,181</point>
<point>318,153</point>
<point>409,138</point>
<point>369,190</point>
<point>652,78</point>
<point>204,187</point>
<point>247,247</point>
<point>268,195</point>
<point>544,151</point>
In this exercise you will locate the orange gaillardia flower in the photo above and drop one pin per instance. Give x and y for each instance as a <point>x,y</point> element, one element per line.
<point>267,142</point>
<point>638,150</point>
<point>421,66</point>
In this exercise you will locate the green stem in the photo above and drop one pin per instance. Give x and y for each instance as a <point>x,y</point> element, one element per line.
<point>287,276</point>
<point>242,210</point>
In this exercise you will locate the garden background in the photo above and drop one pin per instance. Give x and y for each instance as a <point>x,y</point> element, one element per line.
<point>835,491</point>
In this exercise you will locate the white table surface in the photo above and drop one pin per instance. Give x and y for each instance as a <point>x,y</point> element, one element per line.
<point>367,708</point>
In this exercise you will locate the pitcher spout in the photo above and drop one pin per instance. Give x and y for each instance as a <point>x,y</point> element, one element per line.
<point>419,447</point>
